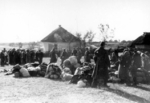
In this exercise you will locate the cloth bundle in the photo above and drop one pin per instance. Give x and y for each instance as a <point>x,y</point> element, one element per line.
<point>71,63</point>
<point>53,71</point>
<point>66,74</point>
<point>83,73</point>
<point>20,71</point>
<point>43,68</point>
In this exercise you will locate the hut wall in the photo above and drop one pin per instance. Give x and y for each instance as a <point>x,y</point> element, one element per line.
<point>49,45</point>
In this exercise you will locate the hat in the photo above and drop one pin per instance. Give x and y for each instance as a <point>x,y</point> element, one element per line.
<point>102,43</point>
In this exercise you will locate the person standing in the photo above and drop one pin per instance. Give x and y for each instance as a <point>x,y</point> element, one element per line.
<point>5,56</point>
<point>124,66</point>
<point>100,71</point>
<point>145,64</point>
<point>53,55</point>
<point>87,55</point>
<point>74,52</point>
<point>2,58</point>
<point>32,56</point>
<point>79,55</point>
<point>63,55</point>
<point>40,56</point>
<point>28,55</point>
<point>136,63</point>
<point>14,56</point>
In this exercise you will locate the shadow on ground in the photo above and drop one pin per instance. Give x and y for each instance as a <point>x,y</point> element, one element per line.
<point>128,96</point>
<point>143,88</point>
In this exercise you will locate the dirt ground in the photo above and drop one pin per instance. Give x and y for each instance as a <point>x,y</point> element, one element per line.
<point>42,90</point>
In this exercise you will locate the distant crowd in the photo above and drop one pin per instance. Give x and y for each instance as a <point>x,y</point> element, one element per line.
<point>20,56</point>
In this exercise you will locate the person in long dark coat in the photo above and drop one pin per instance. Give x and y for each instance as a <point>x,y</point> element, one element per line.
<point>32,56</point>
<point>2,57</point>
<point>41,54</point>
<point>87,56</point>
<point>74,52</point>
<point>10,57</point>
<point>136,63</point>
<point>36,55</point>
<point>18,59</point>
<point>53,56</point>
<point>125,63</point>
<point>79,55</point>
<point>23,57</point>
<point>14,56</point>
<point>102,63</point>
<point>28,56</point>
<point>63,55</point>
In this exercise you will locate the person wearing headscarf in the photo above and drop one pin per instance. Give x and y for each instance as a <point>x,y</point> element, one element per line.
<point>100,71</point>
<point>136,63</point>
<point>124,66</point>
<point>145,65</point>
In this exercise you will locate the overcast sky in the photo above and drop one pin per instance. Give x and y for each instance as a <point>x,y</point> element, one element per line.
<point>32,20</point>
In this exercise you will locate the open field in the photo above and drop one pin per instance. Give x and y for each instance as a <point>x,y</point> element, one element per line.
<point>42,90</point>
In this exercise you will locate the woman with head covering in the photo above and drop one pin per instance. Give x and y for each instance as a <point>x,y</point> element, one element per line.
<point>124,66</point>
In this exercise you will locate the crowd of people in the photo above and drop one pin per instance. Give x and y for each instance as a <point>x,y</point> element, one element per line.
<point>20,56</point>
<point>125,63</point>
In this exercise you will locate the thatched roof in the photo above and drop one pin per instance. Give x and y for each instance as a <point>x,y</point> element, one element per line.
<point>141,40</point>
<point>60,35</point>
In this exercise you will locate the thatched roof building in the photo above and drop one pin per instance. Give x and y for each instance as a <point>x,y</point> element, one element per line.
<point>61,37</point>
<point>142,42</point>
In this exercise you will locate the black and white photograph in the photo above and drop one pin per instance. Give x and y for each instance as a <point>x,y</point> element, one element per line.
<point>74,51</point>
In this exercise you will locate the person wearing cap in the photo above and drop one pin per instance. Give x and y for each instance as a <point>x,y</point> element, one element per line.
<point>100,71</point>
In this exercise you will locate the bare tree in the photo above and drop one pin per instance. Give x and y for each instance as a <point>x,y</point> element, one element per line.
<point>106,32</point>
<point>88,37</point>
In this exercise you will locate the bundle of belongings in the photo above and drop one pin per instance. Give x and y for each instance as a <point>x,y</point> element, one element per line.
<point>113,76</point>
<point>69,67</point>
<point>82,76</point>
<point>53,71</point>
<point>71,63</point>
<point>66,74</point>
<point>29,69</point>
<point>43,68</point>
